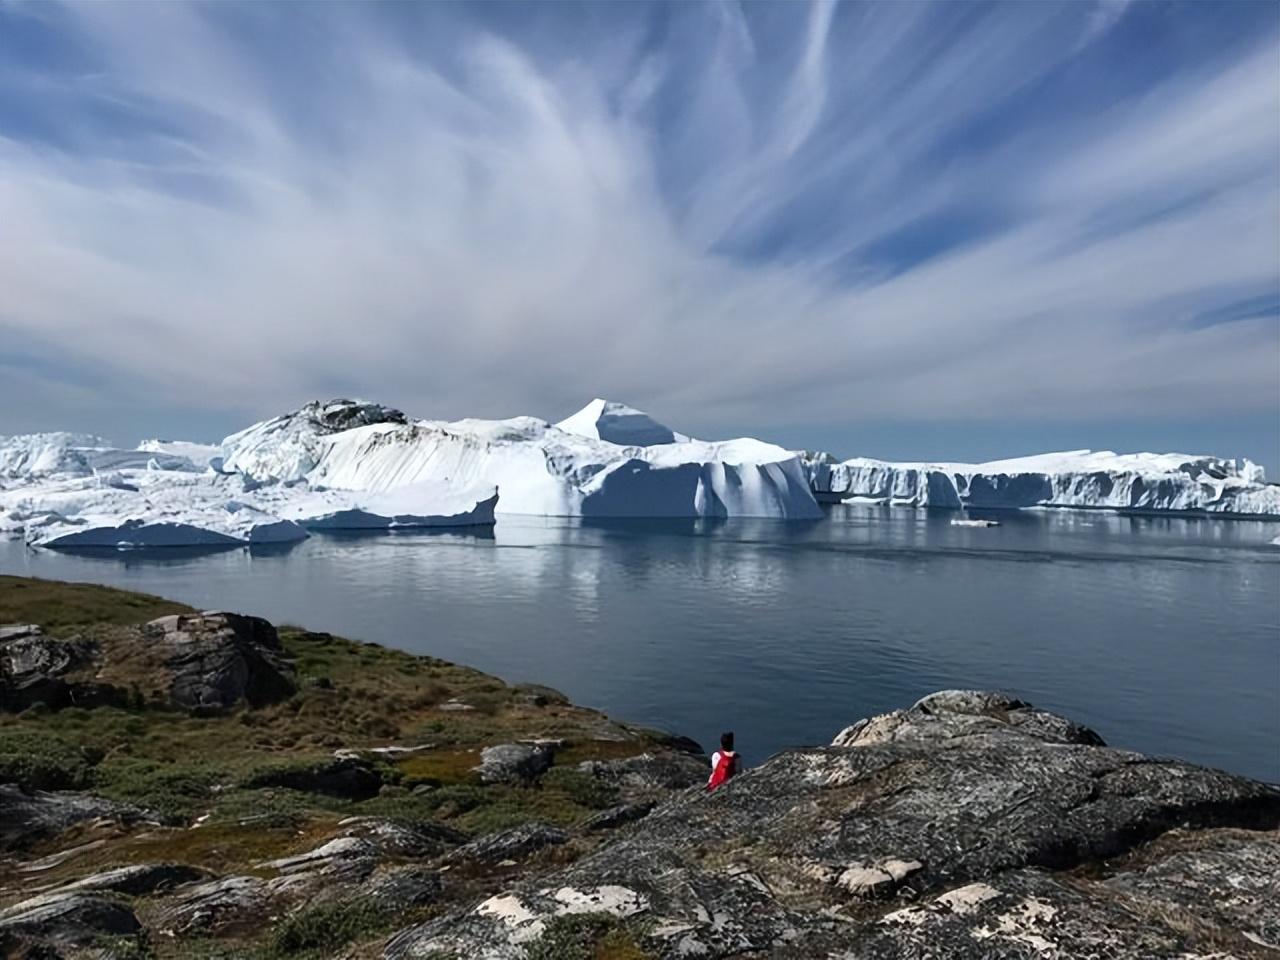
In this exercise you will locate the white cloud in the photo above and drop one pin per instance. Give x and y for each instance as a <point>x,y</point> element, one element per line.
<point>494,230</point>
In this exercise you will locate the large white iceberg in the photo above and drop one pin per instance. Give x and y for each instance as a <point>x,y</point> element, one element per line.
<point>142,509</point>
<point>538,468</point>
<point>347,464</point>
<point>1137,482</point>
<point>36,455</point>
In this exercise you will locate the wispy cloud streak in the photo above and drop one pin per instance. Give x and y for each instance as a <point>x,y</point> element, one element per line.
<point>765,214</point>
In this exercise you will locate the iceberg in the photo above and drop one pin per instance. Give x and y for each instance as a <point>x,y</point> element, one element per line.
<point>142,509</point>
<point>1079,479</point>
<point>37,455</point>
<point>617,423</point>
<point>201,455</point>
<point>410,506</point>
<point>538,468</point>
<point>350,464</point>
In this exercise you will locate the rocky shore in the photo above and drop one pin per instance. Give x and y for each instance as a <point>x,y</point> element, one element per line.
<point>184,784</point>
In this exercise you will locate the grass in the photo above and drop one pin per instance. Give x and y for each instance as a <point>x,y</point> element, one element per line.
<point>65,608</point>
<point>320,929</point>
<point>350,694</point>
<point>586,936</point>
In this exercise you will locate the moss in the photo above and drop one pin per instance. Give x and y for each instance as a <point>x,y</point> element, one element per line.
<point>586,936</point>
<point>439,767</point>
<point>581,750</point>
<point>321,929</point>
<point>175,790</point>
<point>37,761</point>
<point>579,788</point>
<point>64,608</point>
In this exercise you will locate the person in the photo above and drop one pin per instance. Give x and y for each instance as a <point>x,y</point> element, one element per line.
<point>724,762</point>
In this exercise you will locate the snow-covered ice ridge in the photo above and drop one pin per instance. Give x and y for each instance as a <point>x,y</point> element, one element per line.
<point>607,460</point>
<point>348,464</point>
<point>353,465</point>
<point>1080,479</point>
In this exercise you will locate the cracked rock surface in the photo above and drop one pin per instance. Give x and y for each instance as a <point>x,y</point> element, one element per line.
<point>969,825</point>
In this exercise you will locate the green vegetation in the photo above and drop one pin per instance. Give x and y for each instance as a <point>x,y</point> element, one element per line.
<point>216,780</point>
<point>64,608</point>
<point>37,761</point>
<point>320,929</point>
<point>586,936</point>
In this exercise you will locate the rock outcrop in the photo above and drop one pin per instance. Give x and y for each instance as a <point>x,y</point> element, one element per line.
<point>970,825</point>
<point>216,660</point>
<point>29,817</point>
<point>206,662</point>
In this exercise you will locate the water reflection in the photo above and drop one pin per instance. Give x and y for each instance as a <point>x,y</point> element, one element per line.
<point>1161,632</point>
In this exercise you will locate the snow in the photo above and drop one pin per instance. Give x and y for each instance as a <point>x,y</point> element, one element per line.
<point>202,455</point>
<point>143,508</point>
<point>1168,482</point>
<point>542,470</point>
<point>412,505</point>
<point>617,423</point>
<point>350,464</point>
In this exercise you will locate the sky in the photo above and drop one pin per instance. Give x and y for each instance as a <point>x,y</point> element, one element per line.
<point>905,230</point>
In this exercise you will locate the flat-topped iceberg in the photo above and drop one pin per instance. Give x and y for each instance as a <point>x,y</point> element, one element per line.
<point>538,468</point>
<point>36,455</point>
<point>143,509</point>
<point>1138,482</point>
<point>348,464</point>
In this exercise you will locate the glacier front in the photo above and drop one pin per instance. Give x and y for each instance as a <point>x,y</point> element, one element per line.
<point>1080,479</point>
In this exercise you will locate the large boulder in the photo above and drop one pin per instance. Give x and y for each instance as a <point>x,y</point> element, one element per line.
<point>68,918</point>
<point>34,668</point>
<point>858,850</point>
<point>649,775</point>
<point>29,817</point>
<point>218,660</point>
<point>514,762</point>
<point>513,844</point>
<point>348,778</point>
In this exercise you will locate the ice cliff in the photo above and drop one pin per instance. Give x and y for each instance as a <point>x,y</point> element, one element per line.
<point>1140,482</point>
<point>347,464</point>
<point>538,468</point>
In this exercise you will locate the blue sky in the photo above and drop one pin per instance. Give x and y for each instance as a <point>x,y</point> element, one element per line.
<point>897,229</point>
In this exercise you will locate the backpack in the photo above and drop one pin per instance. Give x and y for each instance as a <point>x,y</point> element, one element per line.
<point>726,767</point>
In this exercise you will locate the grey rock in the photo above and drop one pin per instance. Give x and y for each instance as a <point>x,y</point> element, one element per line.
<point>402,888</point>
<point>513,844</point>
<point>215,907</point>
<point>617,816</point>
<point>217,660</point>
<point>33,668</point>
<point>347,778</point>
<point>29,817</point>
<point>137,880</point>
<point>959,713</point>
<point>918,819</point>
<point>393,838</point>
<point>514,762</point>
<point>1224,879</point>
<point>68,918</point>
<point>343,855</point>
<point>18,631</point>
<point>650,774</point>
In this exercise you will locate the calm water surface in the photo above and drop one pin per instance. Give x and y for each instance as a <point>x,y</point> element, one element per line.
<point>1162,634</point>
